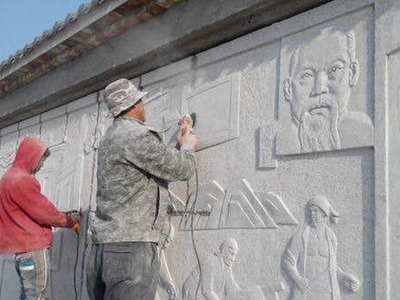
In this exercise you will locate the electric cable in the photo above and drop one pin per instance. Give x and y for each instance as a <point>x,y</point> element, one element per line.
<point>76,265</point>
<point>86,245</point>
<point>192,214</point>
<point>94,160</point>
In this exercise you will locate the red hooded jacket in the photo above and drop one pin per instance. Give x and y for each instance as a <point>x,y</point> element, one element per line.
<point>26,215</point>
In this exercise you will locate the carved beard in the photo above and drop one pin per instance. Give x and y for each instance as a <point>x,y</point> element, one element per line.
<point>318,130</point>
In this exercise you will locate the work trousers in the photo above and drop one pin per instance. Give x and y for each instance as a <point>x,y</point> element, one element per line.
<point>33,269</point>
<point>123,271</point>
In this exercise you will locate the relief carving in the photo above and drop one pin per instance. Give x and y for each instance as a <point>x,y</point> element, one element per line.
<point>322,74</point>
<point>245,209</point>
<point>214,279</point>
<point>166,283</point>
<point>50,177</point>
<point>267,159</point>
<point>310,259</point>
<point>7,151</point>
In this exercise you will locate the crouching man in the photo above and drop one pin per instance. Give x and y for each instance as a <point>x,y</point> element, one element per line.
<point>26,219</point>
<point>134,168</point>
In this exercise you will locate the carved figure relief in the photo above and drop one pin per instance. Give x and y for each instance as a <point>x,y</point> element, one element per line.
<point>166,284</point>
<point>246,209</point>
<point>310,259</point>
<point>214,279</point>
<point>322,74</point>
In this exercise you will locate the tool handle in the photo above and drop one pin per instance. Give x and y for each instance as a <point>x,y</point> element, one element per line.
<point>76,228</point>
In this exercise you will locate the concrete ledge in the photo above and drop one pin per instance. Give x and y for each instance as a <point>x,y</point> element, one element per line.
<point>179,32</point>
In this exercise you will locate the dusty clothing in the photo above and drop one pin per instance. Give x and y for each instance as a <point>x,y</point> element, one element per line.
<point>33,269</point>
<point>26,216</point>
<point>134,167</point>
<point>295,263</point>
<point>123,271</point>
<point>217,281</point>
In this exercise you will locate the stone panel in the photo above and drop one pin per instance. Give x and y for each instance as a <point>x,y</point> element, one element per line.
<point>326,80</point>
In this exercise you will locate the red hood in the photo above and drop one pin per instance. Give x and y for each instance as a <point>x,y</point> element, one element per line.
<point>29,153</point>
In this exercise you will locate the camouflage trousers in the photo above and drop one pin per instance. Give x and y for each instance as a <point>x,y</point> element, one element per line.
<point>123,271</point>
<point>33,269</point>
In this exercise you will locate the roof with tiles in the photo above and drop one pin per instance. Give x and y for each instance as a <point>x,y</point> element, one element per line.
<point>90,26</point>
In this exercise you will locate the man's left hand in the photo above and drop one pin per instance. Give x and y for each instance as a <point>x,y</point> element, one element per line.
<point>170,288</point>
<point>351,283</point>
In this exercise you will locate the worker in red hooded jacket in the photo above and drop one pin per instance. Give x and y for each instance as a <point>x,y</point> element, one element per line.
<point>26,219</point>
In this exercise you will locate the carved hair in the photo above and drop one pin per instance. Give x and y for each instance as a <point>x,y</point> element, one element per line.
<point>228,243</point>
<point>324,205</point>
<point>351,46</point>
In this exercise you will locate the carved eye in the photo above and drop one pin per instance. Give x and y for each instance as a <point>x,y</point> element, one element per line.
<point>334,69</point>
<point>307,74</point>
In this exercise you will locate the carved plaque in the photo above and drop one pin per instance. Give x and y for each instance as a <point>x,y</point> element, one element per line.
<point>216,105</point>
<point>325,94</point>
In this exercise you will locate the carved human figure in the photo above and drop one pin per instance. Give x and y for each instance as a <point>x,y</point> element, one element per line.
<point>166,282</point>
<point>322,73</point>
<point>215,280</point>
<point>310,258</point>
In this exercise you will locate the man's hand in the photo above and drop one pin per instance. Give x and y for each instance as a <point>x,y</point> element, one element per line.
<point>186,133</point>
<point>351,283</point>
<point>170,288</point>
<point>190,139</point>
<point>303,284</point>
<point>75,216</point>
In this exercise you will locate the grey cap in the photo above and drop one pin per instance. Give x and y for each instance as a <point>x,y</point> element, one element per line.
<point>120,95</point>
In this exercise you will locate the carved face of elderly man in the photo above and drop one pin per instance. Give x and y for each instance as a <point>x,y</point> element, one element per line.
<point>322,73</point>
<point>310,258</point>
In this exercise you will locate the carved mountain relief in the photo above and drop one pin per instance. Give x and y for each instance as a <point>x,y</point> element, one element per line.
<point>245,209</point>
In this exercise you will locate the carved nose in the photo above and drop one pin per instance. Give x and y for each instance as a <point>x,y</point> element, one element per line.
<point>320,86</point>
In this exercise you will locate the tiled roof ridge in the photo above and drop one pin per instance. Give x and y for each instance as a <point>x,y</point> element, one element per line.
<point>90,26</point>
<point>84,8</point>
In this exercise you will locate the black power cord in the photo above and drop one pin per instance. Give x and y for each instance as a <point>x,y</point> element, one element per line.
<point>76,264</point>
<point>192,214</point>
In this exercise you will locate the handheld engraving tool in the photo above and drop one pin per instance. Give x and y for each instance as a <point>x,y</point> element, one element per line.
<point>190,127</point>
<point>76,228</point>
<point>193,116</point>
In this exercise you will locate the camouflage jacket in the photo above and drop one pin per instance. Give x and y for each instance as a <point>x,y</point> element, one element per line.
<point>134,168</point>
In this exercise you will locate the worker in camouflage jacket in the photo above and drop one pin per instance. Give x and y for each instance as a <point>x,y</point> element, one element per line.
<point>134,168</point>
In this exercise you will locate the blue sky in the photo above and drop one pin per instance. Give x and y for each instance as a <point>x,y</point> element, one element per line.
<point>22,20</point>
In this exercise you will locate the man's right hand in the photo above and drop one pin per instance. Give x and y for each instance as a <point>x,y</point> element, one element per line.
<point>303,284</point>
<point>75,216</point>
<point>189,138</point>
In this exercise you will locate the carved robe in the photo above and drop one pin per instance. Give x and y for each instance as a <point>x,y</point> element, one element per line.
<point>295,263</point>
